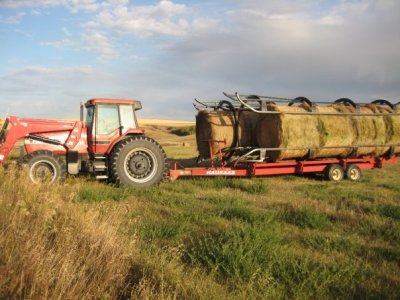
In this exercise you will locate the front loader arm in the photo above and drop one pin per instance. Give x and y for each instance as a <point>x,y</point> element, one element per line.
<point>22,128</point>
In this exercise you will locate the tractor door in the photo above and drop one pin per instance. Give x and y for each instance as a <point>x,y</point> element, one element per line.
<point>107,126</point>
<point>111,121</point>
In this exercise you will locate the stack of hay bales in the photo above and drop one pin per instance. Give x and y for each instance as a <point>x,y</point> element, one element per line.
<point>220,126</point>
<point>301,136</point>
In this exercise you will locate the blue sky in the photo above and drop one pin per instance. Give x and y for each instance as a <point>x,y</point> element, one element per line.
<point>57,53</point>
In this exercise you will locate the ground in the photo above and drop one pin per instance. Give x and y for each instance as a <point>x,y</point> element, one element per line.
<point>197,238</point>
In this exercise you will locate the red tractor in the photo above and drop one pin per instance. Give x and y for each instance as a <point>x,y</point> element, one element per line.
<point>108,144</point>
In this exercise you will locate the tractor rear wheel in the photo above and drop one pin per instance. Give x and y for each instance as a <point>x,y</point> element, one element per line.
<point>138,161</point>
<point>46,167</point>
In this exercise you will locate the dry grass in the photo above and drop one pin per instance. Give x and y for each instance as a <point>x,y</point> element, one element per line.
<point>169,123</point>
<point>51,248</point>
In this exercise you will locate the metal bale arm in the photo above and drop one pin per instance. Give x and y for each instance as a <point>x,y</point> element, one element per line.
<point>243,100</point>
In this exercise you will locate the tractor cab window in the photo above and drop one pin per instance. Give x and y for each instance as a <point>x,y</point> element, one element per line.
<point>107,119</point>
<point>89,116</point>
<point>127,116</point>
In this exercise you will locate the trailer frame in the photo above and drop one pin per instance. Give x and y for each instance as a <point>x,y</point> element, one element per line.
<point>300,167</point>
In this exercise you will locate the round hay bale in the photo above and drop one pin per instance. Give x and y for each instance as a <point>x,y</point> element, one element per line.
<point>371,131</point>
<point>220,126</point>
<point>213,125</point>
<point>392,123</point>
<point>335,131</point>
<point>393,131</point>
<point>287,131</point>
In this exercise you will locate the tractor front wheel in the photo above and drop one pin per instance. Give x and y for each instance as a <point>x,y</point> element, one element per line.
<point>138,162</point>
<point>46,167</point>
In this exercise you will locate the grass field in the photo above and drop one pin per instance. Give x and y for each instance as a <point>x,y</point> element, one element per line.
<point>261,238</point>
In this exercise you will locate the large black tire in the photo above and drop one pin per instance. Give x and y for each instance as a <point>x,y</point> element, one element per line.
<point>46,167</point>
<point>138,161</point>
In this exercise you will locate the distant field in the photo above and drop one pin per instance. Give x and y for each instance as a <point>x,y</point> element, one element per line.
<point>171,123</point>
<point>255,238</point>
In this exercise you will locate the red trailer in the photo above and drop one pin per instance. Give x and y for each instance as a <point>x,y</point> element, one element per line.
<point>253,161</point>
<point>333,169</point>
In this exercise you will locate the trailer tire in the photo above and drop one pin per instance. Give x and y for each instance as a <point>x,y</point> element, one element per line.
<point>334,172</point>
<point>138,161</point>
<point>46,167</point>
<point>353,173</point>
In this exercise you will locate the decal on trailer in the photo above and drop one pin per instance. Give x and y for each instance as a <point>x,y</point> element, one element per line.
<point>221,172</point>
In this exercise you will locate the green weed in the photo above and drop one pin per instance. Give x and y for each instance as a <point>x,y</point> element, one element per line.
<point>330,244</point>
<point>235,254</point>
<point>161,230</point>
<point>389,211</point>
<point>390,186</point>
<point>306,218</point>
<point>242,213</point>
<point>248,186</point>
<point>183,131</point>
<point>102,193</point>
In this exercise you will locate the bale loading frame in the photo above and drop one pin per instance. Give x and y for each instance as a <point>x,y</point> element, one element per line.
<point>253,161</point>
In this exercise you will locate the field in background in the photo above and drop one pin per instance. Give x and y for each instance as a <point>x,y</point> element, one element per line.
<point>175,146</point>
<point>276,237</point>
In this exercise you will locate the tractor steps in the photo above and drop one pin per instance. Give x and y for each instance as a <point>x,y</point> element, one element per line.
<point>100,167</point>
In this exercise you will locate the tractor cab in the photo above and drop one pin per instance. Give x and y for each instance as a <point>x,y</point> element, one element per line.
<point>107,120</point>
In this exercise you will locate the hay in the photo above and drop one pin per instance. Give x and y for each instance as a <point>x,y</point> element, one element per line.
<point>220,126</point>
<point>339,133</point>
<point>288,131</point>
<point>393,131</point>
<point>370,130</point>
<point>247,121</point>
<point>301,133</point>
<point>335,131</point>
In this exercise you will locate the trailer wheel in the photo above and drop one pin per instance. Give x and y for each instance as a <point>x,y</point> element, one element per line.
<point>334,173</point>
<point>138,162</point>
<point>353,173</point>
<point>46,167</point>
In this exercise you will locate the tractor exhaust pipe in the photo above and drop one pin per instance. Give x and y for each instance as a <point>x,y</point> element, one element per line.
<point>81,112</point>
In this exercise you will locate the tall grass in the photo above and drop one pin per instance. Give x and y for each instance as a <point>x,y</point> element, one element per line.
<point>51,248</point>
<point>219,238</point>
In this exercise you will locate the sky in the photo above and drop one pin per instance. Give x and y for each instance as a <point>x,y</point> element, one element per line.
<point>58,53</point>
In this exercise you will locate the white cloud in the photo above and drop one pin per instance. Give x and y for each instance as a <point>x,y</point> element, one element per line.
<point>331,20</point>
<point>47,92</point>
<point>29,3</point>
<point>15,19</point>
<point>64,43</point>
<point>66,31</point>
<point>36,12</point>
<point>24,33</point>
<point>165,18</point>
<point>82,5</point>
<point>100,44</point>
<point>73,5</point>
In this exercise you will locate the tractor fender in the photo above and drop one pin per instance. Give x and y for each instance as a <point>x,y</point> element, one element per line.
<point>129,133</point>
